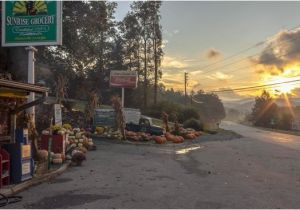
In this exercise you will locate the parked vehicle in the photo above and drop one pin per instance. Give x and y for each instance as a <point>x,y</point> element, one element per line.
<point>133,118</point>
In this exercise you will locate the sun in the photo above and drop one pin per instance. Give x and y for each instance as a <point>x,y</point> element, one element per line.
<point>283,86</point>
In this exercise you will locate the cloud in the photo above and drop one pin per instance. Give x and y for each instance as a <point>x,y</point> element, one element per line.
<point>173,63</point>
<point>282,50</point>
<point>212,54</point>
<point>173,81</point>
<point>176,31</point>
<point>219,76</point>
<point>196,72</point>
<point>189,60</point>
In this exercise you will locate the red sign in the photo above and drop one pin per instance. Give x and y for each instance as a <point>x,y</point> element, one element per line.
<point>124,79</point>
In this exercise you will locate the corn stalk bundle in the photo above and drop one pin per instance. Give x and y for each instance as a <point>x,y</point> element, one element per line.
<point>61,87</point>
<point>120,120</point>
<point>165,119</point>
<point>176,125</point>
<point>93,103</point>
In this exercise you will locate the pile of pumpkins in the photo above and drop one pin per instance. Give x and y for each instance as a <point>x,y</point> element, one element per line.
<point>56,158</point>
<point>78,138</point>
<point>138,136</point>
<point>108,132</point>
<point>179,137</point>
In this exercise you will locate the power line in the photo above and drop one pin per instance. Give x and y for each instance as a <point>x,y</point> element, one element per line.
<point>264,88</point>
<point>250,66</point>
<point>251,87</point>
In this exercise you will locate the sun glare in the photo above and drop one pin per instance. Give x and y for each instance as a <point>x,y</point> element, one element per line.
<point>285,88</point>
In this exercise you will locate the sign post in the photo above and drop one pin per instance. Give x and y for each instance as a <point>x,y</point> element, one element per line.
<point>31,78</point>
<point>123,95</point>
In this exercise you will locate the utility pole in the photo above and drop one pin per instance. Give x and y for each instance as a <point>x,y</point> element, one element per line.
<point>185,84</point>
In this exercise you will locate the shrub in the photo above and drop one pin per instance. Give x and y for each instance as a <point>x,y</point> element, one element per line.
<point>193,123</point>
<point>188,113</point>
<point>163,106</point>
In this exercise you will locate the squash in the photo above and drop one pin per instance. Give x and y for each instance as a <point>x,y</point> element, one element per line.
<point>56,156</point>
<point>100,130</point>
<point>82,149</point>
<point>57,161</point>
<point>45,132</point>
<point>78,135</point>
<point>42,154</point>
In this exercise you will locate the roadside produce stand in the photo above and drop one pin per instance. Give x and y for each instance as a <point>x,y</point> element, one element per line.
<point>15,146</point>
<point>138,128</point>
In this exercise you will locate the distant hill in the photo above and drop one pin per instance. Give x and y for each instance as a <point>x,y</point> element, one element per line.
<point>245,105</point>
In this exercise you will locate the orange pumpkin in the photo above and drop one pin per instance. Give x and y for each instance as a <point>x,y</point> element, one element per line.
<point>190,136</point>
<point>178,139</point>
<point>159,140</point>
<point>135,138</point>
<point>169,137</point>
<point>198,133</point>
<point>164,139</point>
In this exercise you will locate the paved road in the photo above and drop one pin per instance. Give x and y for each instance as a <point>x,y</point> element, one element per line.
<point>249,172</point>
<point>286,140</point>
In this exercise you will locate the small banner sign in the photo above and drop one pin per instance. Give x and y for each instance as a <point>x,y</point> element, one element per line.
<point>57,114</point>
<point>123,79</point>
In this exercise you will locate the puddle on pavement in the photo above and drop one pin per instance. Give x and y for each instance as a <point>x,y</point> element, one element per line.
<point>187,150</point>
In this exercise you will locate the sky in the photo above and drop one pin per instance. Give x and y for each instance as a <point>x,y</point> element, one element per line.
<point>199,35</point>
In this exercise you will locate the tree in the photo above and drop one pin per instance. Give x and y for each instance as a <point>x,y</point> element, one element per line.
<point>142,10</point>
<point>264,112</point>
<point>88,50</point>
<point>156,37</point>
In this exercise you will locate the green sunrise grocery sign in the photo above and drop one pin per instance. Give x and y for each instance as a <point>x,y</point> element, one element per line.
<point>31,23</point>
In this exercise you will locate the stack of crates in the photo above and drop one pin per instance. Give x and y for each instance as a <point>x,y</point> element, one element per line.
<point>4,168</point>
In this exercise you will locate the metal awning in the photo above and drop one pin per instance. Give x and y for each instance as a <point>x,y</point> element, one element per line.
<point>23,86</point>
